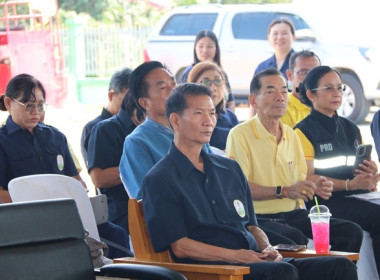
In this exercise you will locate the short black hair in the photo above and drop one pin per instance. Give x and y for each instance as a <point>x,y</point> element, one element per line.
<point>23,85</point>
<point>255,85</point>
<point>120,80</point>
<point>312,80</point>
<point>177,100</point>
<point>138,88</point>
<point>303,53</point>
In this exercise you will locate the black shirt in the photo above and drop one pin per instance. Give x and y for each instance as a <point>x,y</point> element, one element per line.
<point>214,207</point>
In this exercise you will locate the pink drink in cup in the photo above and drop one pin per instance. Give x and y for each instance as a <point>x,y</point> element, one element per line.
<point>320,225</point>
<point>321,237</point>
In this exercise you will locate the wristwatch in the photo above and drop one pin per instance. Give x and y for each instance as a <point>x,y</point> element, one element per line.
<point>278,192</point>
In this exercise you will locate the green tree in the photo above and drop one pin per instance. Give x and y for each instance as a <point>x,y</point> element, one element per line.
<point>250,1</point>
<point>95,8</point>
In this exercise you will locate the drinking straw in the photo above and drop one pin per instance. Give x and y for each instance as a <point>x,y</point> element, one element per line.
<point>316,203</point>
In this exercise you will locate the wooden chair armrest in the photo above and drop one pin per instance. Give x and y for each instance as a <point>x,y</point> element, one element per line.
<point>311,253</point>
<point>196,271</point>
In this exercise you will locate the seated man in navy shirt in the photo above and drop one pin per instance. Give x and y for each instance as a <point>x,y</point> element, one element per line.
<point>199,205</point>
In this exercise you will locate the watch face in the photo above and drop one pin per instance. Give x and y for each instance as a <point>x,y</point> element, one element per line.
<point>278,191</point>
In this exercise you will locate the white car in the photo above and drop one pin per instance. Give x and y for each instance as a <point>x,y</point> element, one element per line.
<point>242,34</point>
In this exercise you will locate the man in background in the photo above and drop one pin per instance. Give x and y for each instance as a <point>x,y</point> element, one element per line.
<point>300,63</point>
<point>118,88</point>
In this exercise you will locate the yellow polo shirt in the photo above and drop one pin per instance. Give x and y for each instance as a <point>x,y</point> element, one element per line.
<point>307,147</point>
<point>295,112</point>
<point>266,163</point>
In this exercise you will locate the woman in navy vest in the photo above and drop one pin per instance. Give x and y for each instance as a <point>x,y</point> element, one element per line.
<point>330,143</point>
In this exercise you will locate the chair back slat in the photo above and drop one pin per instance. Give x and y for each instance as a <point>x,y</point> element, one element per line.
<point>138,231</point>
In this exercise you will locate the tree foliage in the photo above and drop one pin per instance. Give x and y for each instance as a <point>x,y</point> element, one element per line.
<point>134,12</point>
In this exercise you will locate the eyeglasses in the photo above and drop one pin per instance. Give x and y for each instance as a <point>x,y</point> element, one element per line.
<point>330,89</point>
<point>208,83</point>
<point>30,107</point>
<point>302,72</point>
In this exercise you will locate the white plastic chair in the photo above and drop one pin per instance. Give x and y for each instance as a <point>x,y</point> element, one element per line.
<point>48,186</point>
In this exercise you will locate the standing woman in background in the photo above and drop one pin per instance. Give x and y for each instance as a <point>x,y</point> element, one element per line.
<point>206,48</point>
<point>281,35</point>
<point>211,75</point>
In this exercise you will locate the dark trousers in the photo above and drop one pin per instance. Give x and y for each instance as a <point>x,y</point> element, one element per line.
<point>364,213</point>
<point>294,227</point>
<point>117,240</point>
<point>324,268</point>
<point>117,199</point>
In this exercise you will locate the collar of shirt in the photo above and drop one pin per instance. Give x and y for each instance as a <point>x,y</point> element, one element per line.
<point>12,127</point>
<point>316,114</point>
<point>261,132</point>
<point>284,66</point>
<point>332,124</point>
<point>158,126</point>
<point>105,114</point>
<point>124,119</point>
<point>297,103</point>
<point>185,166</point>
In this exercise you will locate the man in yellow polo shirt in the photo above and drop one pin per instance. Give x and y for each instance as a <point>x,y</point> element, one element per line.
<point>300,63</point>
<point>271,156</point>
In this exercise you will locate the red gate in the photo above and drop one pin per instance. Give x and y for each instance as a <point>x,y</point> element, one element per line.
<point>30,43</point>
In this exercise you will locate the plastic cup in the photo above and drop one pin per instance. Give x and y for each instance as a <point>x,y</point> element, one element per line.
<point>320,225</point>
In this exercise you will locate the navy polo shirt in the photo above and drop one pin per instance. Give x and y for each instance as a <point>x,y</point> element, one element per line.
<point>104,150</point>
<point>22,153</point>
<point>105,144</point>
<point>271,63</point>
<point>225,122</point>
<point>87,130</point>
<point>214,207</point>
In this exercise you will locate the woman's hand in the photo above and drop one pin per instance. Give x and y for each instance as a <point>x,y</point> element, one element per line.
<point>367,167</point>
<point>364,181</point>
<point>324,187</point>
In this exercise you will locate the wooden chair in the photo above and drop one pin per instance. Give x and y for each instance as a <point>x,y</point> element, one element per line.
<point>144,253</point>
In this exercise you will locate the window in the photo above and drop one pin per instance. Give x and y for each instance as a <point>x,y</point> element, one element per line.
<point>297,21</point>
<point>255,25</point>
<point>251,25</point>
<point>188,24</point>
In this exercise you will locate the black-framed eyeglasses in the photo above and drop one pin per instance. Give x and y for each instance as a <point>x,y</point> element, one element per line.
<point>208,83</point>
<point>30,107</point>
<point>330,89</point>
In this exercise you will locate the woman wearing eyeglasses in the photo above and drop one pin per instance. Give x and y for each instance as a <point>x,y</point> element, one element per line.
<point>206,48</point>
<point>329,143</point>
<point>27,146</point>
<point>211,75</point>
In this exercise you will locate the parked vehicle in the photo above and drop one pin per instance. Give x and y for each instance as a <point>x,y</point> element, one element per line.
<point>242,35</point>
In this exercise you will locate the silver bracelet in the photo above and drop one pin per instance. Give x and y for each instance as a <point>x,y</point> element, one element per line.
<point>346,184</point>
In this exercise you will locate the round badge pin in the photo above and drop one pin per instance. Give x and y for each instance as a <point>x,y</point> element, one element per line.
<point>60,162</point>
<point>239,207</point>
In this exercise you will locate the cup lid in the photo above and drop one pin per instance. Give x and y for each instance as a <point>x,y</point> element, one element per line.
<point>323,211</point>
